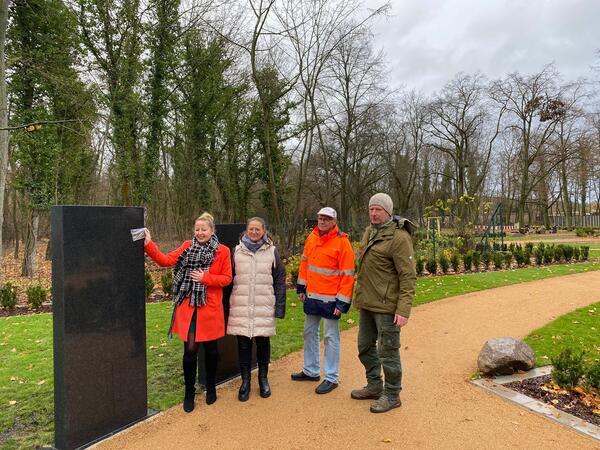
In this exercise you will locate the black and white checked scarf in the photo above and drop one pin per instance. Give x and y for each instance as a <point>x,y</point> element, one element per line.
<point>197,256</point>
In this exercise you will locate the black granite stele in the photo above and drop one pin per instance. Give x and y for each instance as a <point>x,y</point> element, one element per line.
<point>228,367</point>
<point>99,322</point>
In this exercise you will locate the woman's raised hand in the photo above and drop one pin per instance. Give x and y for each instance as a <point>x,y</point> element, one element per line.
<point>147,236</point>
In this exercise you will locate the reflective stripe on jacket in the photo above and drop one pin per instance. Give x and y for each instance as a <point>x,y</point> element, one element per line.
<point>326,273</point>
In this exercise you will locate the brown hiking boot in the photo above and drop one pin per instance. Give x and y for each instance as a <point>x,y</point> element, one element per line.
<point>366,393</point>
<point>384,404</point>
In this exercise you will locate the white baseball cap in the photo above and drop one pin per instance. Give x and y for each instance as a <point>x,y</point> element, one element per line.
<point>327,211</point>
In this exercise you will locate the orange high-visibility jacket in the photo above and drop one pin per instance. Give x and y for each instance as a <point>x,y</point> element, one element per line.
<point>326,273</point>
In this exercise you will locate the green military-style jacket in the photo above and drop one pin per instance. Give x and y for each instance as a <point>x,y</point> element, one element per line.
<point>385,277</point>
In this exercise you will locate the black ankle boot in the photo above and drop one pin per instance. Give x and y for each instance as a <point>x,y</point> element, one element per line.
<point>211,358</point>
<point>244,392</point>
<point>263,382</point>
<point>188,399</point>
<point>211,394</point>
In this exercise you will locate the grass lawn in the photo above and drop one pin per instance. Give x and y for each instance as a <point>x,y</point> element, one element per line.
<point>435,288</point>
<point>26,385</point>
<point>578,330</point>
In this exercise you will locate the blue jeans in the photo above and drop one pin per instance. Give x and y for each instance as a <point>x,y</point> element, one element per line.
<point>331,339</point>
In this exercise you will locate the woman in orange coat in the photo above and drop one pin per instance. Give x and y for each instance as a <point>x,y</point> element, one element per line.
<point>202,269</point>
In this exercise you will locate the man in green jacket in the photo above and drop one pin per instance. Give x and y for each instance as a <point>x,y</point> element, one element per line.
<point>384,293</point>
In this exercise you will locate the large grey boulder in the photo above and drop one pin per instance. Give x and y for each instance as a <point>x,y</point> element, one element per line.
<point>505,356</point>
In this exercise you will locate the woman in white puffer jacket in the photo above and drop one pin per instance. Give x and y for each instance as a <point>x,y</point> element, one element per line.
<point>257,298</point>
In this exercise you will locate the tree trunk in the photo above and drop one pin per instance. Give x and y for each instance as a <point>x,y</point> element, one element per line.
<point>28,269</point>
<point>49,250</point>
<point>583,197</point>
<point>16,224</point>
<point>566,201</point>
<point>523,197</point>
<point>3,123</point>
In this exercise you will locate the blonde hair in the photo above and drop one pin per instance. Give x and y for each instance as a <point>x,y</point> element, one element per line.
<point>207,218</point>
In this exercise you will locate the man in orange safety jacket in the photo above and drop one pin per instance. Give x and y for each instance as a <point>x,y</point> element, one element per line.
<point>325,284</point>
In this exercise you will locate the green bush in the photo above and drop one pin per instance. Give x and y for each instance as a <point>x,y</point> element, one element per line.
<point>529,247</point>
<point>539,256</point>
<point>8,296</point>
<point>431,266</point>
<point>568,252</point>
<point>455,261</point>
<point>519,256</point>
<point>486,259</point>
<point>576,253</point>
<point>527,257</point>
<point>420,265</point>
<point>541,246</point>
<point>585,231</point>
<point>166,281</point>
<point>508,257</point>
<point>592,375</point>
<point>568,368</point>
<point>548,255</point>
<point>498,259</point>
<point>585,252</point>
<point>476,260</point>
<point>148,284</point>
<point>444,263</point>
<point>558,253</point>
<point>468,260</point>
<point>36,296</point>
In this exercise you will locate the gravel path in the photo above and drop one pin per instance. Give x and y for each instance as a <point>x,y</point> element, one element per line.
<point>441,409</point>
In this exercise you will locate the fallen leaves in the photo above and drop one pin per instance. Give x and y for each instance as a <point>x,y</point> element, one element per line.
<point>39,383</point>
<point>386,440</point>
<point>350,321</point>
<point>12,402</point>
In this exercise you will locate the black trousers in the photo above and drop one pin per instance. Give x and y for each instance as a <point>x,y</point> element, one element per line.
<point>263,350</point>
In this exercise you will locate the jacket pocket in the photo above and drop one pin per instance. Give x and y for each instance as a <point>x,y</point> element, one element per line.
<point>386,297</point>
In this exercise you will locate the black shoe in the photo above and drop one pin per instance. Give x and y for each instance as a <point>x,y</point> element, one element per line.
<point>325,387</point>
<point>211,395</point>
<point>188,401</point>
<point>244,392</point>
<point>301,376</point>
<point>263,382</point>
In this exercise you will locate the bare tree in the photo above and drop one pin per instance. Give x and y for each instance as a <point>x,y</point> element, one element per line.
<point>312,28</point>
<point>463,127</point>
<point>532,104</point>
<point>353,93</point>
<point>3,122</point>
<point>403,147</point>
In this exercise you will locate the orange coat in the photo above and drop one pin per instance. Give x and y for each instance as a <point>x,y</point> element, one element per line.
<point>326,273</point>
<point>210,318</point>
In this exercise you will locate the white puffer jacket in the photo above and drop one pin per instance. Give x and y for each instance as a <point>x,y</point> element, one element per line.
<point>252,301</point>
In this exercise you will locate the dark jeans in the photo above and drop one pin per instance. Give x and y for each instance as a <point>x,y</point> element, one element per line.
<point>263,350</point>
<point>379,346</point>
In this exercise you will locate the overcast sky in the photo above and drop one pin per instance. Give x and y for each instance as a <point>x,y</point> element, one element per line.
<point>426,42</point>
